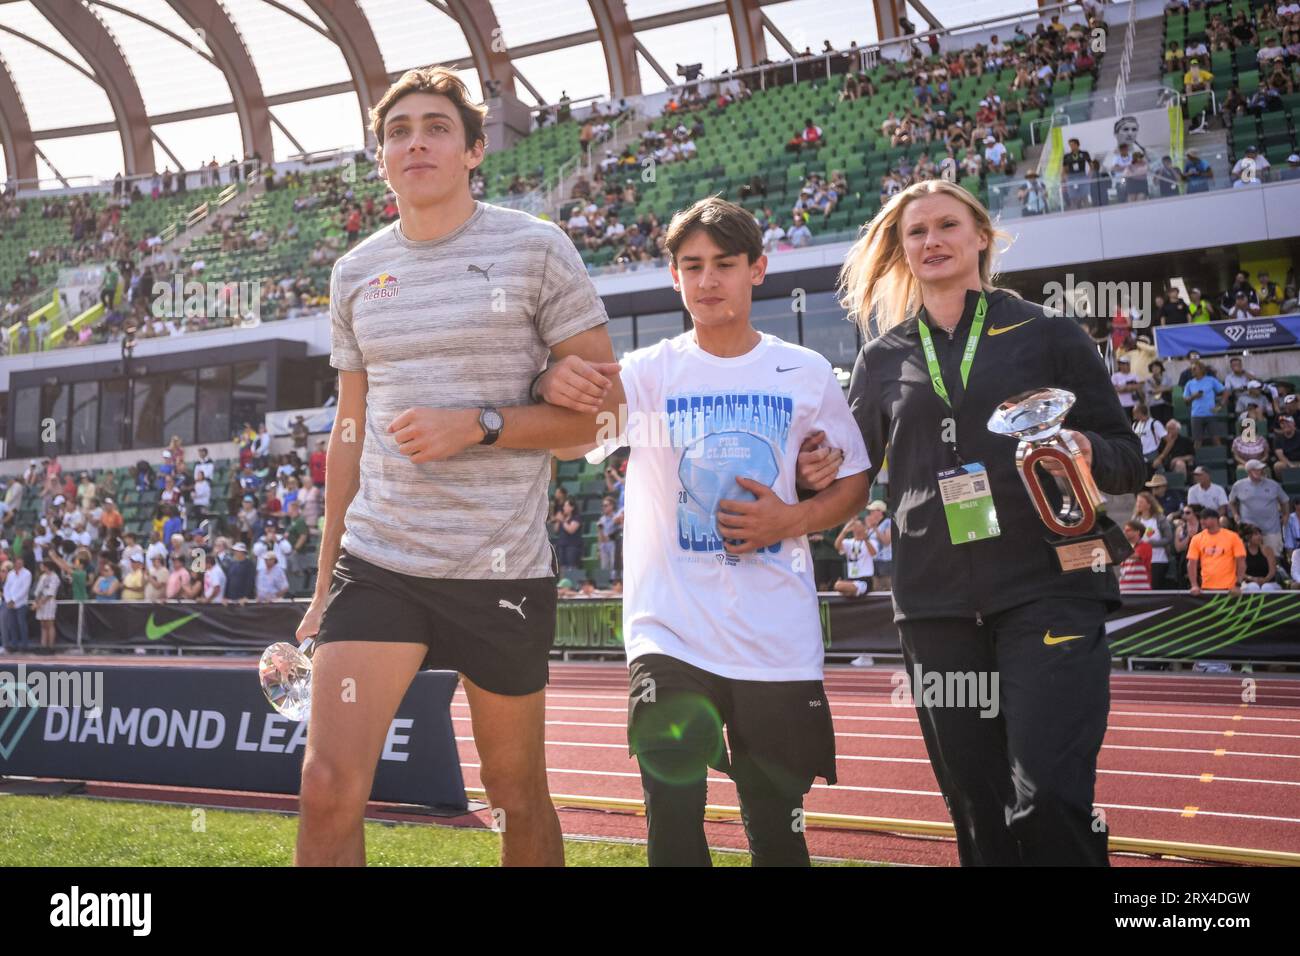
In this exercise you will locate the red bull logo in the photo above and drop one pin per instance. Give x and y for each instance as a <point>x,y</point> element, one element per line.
<point>382,286</point>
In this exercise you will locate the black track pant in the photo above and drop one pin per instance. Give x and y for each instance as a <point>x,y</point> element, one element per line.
<point>1019,785</point>
<point>779,738</point>
<point>675,815</point>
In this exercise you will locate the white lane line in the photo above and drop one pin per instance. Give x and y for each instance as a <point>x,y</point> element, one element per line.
<point>923,760</point>
<point>1214,778</point>
<point>932,793</point>
<point>1189,750</point>
<point>849,735</point>
<point>1215,733</point>
<point>859,679</point>
<point>730,782</point>
<point>1199,812</point>
<point>1234,718</point>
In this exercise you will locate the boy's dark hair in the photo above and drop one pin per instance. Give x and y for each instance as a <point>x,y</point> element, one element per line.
<point>432,79</point>
<point>732,227</point>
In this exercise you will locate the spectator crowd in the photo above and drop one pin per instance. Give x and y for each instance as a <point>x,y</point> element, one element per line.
<point>249,541</point>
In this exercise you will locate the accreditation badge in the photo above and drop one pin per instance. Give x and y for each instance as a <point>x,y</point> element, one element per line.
<point>968,503</point>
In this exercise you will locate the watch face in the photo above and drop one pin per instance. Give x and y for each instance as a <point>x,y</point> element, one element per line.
<point>492,420</point>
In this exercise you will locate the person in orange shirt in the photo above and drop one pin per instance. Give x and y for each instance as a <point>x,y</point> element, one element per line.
<point>111,519</point>
<point>1218,554</point>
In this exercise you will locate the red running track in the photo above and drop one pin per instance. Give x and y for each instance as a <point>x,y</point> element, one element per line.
<point>1184,759</point>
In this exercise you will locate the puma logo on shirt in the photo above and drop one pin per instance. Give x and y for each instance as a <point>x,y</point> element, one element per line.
<point>517,608</point>
<point>482,272</point>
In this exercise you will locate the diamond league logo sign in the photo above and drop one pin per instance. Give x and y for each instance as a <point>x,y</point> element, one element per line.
<point>14,718</point>
<point>1262,332</point>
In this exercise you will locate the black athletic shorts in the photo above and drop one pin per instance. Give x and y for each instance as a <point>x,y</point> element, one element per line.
<point>782,729</point>
<point>498,633</point>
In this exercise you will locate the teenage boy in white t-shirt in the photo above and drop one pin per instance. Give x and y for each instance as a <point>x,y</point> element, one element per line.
<point>720,614</point>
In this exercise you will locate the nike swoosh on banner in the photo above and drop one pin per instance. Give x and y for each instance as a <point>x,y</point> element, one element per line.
<point>1122,622</point>
<point>156,632</point>
<point>1008,328</point>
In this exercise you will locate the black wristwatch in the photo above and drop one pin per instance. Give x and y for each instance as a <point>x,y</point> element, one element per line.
<point>490,420</point>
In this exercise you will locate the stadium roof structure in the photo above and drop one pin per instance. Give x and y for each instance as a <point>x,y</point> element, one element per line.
<point>132,67</point>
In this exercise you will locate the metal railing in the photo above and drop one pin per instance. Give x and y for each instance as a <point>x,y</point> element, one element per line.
<point>1007,201</point>
<point>548,196</point>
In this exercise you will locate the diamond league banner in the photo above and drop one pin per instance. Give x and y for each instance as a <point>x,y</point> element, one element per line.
<point>181,624</point>
<point>1174,624</point>
<point>206,727</point>
<point>1229,335</point>
<point>1156,624</point>
<point>1261,626</point>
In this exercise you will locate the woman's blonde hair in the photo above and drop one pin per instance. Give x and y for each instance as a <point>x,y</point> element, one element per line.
<point>876,281</point>
<point>1153,504</point>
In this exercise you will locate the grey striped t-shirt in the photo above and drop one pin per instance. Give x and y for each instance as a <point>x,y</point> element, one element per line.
<point>457,322</point>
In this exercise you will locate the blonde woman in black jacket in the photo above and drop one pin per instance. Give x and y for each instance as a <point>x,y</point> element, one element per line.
<point>1017,772</point>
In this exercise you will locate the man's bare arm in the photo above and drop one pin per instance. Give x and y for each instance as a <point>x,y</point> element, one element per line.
<point>548,426</point>
<point>342,470</point>
<point>432,434</point>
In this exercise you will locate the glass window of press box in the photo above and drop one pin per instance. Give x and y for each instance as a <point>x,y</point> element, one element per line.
<point>198,405</point>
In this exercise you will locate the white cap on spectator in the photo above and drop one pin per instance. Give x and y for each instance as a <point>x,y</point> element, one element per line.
<point>59,499</point>
<point>1255,465</point>
<point>1293,158</point>
<point>240,546</point>
<point>1254,383</point>
<point>989,139</point>
<point>1200,470</point>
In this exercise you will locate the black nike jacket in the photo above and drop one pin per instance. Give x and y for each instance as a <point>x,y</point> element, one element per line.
<point>1023,347</point>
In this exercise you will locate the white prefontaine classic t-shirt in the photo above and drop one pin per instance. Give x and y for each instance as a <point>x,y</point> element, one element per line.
<point>462,321</point>
<point>695,422</point>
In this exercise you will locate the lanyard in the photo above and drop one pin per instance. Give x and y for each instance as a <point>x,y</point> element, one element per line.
<point>967,357</point>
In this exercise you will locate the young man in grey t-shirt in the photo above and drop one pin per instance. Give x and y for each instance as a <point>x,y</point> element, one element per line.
<point>438,464</point>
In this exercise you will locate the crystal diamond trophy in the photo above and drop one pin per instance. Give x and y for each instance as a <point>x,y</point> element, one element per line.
<point>285,673</point>
<point>1036,417</point>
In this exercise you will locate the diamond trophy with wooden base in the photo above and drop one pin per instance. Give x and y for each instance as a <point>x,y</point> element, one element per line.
<point>1081,534</point>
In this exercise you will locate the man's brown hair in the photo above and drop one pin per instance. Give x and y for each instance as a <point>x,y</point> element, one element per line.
<point>732,227</point>
<point>432,79</point>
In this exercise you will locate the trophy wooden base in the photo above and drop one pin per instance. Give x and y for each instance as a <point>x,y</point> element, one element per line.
<point>1086,552</point>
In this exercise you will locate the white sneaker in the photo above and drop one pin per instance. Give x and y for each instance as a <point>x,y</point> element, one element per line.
<point>863,660</point>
